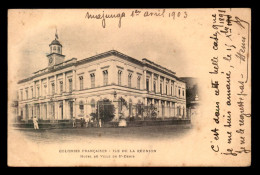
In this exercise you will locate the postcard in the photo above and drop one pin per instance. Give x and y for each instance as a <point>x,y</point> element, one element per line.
<point>129,87</point>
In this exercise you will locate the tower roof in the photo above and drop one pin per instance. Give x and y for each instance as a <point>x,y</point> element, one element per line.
<point>55,42</point>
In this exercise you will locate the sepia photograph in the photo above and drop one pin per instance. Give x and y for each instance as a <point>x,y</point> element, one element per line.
<point>129,87</point>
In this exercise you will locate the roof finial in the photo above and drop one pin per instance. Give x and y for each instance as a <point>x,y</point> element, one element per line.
<point>56,34</point>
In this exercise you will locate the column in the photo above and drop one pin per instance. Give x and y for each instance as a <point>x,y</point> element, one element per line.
<point>145,80</point>
<point>55,110</point>
<point>34,89</point>
<point>158,84</point>
<point>47,108</point>
<point>164,108</point>
<point>40,107</point>
<point>74,108</point>
<point>173,109</point>
<point>116,110</point>
<point>34,110</point>
<point>169,88</point>
<point>64,82</point>
<point>74,80</point>
<point>173,88</point>
<point>152,89</point>
<point>164,85</point>
<point>159,108</point>
<point>64,109</point>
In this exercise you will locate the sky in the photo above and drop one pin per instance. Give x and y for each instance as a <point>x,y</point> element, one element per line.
<point>172,43</point>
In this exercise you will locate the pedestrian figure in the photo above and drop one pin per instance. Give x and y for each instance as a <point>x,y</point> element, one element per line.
<point>81,121</point>
<point>100,122</point>
<point>91,122</point>
<point>35,123</point>
<point>87,120</point>
<point>73,122</point>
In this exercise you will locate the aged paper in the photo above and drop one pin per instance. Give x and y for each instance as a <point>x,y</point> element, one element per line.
<point>129,87</point>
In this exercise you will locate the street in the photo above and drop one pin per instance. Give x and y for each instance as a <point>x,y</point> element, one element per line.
<point>129,133</point>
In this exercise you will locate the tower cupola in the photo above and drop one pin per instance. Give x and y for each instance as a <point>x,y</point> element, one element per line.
<point>55,56</point>
<point>55,47</point>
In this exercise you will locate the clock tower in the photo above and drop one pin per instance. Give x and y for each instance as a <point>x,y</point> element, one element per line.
<point>55,56</point>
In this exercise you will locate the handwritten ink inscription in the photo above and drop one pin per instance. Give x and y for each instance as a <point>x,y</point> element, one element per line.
<point>161,13</point>
<point>227,75</point>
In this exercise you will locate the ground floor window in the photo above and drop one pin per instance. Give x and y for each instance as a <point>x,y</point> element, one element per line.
<point>71,109</point>
<point>81,107</point>
<point>52,110</point>
<point>163,109</point>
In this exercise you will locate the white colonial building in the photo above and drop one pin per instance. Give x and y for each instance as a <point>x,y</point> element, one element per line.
<point>71,88</point>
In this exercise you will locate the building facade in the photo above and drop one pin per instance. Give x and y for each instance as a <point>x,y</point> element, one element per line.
<point>71,88</point>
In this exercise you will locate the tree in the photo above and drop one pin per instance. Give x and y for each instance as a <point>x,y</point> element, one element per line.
<point>105,110</point>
